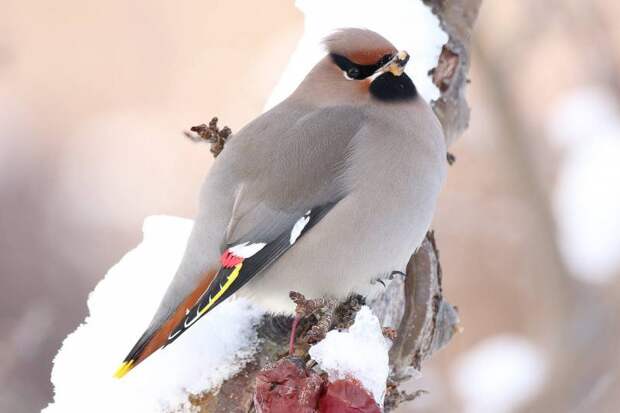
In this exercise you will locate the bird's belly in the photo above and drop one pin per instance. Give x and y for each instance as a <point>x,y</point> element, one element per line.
<point>349,248</point>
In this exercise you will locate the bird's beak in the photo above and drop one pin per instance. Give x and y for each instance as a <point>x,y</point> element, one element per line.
<point>396,65</point>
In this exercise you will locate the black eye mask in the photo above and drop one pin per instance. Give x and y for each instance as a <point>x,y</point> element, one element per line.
<point>358,72</point>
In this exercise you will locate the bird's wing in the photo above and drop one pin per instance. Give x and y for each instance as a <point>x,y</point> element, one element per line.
<point>281,200</point>
<point>241,262</point>
<point>299,169</point>
<point>288,174</point>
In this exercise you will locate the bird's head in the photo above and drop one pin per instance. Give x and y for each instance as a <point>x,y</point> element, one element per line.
<point>362,63</point>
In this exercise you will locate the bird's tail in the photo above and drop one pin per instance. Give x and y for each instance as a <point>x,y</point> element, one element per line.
<point>155,338</point>
<point>149,342</point>
<point>135,356</point>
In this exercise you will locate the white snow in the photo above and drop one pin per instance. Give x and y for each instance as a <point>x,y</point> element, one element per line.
<point>360,353</point>
<point>409,25</point>
<point>586,125</point>
<point>499,374</point>
<point>120,307</point>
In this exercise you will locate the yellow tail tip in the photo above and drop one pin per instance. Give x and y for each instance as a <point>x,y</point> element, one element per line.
<point>123,369</point>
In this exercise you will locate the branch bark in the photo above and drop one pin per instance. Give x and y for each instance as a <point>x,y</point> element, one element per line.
<point>457,19</point>
<point>428,322</point>
<point>415,303</point>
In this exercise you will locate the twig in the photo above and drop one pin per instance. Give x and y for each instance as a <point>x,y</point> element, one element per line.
<point>212,134</point>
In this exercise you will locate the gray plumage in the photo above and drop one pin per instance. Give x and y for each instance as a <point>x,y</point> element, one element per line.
<point>382,160</point>
<point>325,141</point>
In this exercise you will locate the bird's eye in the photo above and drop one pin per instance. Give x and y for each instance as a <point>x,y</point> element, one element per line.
<point>353,72</point>
<point>384,60</point>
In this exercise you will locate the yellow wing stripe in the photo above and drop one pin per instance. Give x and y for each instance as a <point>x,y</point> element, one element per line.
<point>229,281</point>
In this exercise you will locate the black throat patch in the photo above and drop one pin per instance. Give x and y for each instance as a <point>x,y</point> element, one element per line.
<point>391,88</point>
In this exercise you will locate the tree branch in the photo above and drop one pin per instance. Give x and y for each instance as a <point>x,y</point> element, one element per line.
<point>450,76</point>
<point>415,303</point>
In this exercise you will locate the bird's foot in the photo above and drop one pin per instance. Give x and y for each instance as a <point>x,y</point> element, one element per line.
<point>384,279</point>
<point>323,308</point>
<point>395,273</point>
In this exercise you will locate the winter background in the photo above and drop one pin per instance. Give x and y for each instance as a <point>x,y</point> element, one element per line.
<point>93,99</point>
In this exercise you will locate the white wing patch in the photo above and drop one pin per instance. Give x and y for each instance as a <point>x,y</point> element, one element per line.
<point>299,227</point>
<point>246,250</point>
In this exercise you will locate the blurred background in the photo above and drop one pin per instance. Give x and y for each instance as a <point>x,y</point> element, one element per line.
<point>94,97</point>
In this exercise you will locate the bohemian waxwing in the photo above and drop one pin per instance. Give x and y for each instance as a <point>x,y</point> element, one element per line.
<point>322,194</point>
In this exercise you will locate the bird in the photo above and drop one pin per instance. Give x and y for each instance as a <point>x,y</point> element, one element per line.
<point>323,193</point>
